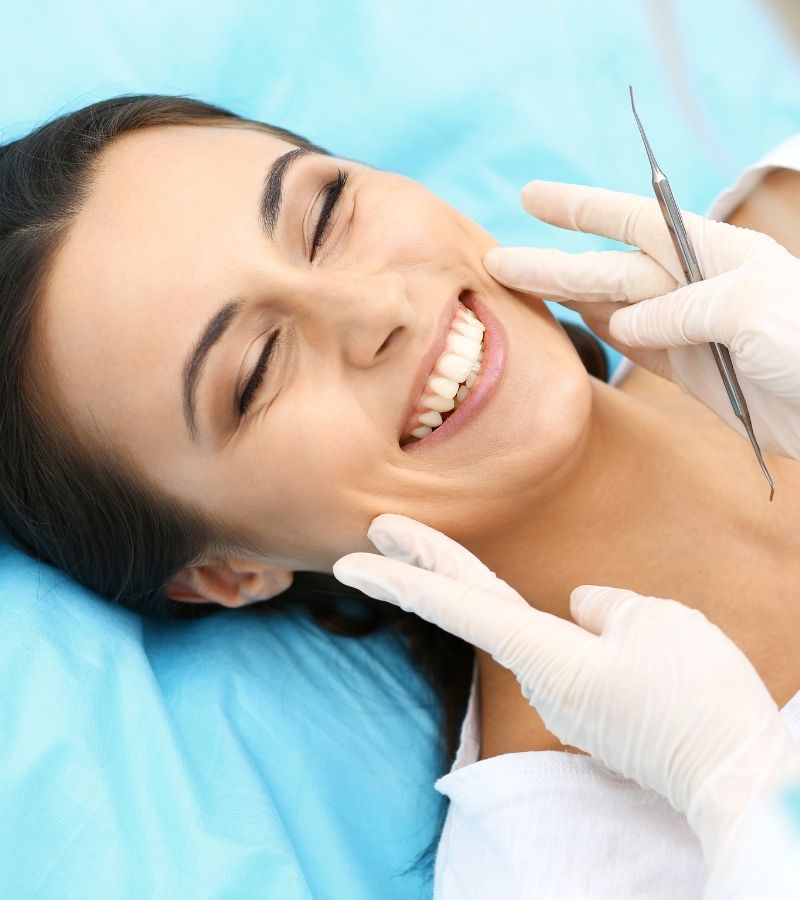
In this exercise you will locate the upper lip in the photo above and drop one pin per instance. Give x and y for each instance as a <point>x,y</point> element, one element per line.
<point>428,360</point>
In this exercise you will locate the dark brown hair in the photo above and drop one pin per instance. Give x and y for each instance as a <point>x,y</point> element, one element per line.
<point>75,502</point>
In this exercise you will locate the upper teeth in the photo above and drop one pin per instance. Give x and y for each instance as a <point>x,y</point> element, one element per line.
<point>459,362</point>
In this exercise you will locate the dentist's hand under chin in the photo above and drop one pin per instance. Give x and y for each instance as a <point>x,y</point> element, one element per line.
<point>749,300</point>
<point>649,687</point>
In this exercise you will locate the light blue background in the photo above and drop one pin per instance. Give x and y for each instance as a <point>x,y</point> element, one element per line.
<point>243,756</point>
<point>472,99</point>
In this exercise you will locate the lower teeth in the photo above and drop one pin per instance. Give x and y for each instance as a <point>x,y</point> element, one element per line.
<point>461,395</point>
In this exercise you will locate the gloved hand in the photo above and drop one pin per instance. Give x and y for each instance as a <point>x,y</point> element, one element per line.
<point>750,300</point>
<point>649,687</point>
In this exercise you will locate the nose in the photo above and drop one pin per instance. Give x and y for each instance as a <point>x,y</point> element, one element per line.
<point>356,315</point>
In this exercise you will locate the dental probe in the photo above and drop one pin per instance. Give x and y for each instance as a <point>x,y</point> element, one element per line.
<point>692,273</point>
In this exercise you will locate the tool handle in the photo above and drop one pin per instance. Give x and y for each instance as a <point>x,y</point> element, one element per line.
<point>677,230</point>
<point>722,358</point>
<point>693,273</point>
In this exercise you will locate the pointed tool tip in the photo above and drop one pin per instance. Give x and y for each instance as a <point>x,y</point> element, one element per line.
<point>636,114</point>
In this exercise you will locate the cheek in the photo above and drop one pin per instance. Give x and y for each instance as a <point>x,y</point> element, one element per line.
<point>560,403</point>
<point>561,382</point>
<point>547,392</point>
<point>302,481</point>
<point>566,405</point>
<point>409,224</point>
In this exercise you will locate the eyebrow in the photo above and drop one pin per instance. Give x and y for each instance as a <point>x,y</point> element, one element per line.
<point>269,210</point>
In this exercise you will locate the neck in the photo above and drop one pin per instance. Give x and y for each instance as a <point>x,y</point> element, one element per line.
<point>669,505</point>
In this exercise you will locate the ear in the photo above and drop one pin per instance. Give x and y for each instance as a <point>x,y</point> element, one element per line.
<point>229,582</point>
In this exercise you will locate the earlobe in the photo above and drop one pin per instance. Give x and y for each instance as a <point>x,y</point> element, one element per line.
<point>232,583</point>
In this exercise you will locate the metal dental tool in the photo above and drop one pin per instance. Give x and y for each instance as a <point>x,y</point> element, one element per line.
<point>692,273</point>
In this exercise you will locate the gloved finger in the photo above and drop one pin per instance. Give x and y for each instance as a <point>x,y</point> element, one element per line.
<point>406,539</point>
<point>693,314</point>
<point>593,606</point>
<point>632,219</point>
<point>591,277</point>
<point>479,616</point>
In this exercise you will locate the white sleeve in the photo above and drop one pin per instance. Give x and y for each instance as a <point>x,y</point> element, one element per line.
<point>784,156</point>
<point>552,825</point>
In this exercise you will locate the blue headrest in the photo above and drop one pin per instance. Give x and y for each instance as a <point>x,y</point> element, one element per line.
<point>239,755</point>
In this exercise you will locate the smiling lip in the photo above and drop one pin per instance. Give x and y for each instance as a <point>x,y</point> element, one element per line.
<point>429,360</point>
<point>495,353</point>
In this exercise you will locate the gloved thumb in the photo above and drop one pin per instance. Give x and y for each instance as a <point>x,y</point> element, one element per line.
<point>406,539</point>
<point>693,314</point>
<point>592,606</point>
<point>427,573</point>
<point>479,616</point>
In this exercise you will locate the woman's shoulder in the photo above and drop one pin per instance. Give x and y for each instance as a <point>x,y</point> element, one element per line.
<point>668,397</point>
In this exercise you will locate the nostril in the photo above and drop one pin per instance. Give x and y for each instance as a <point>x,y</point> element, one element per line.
<point>385,344</point>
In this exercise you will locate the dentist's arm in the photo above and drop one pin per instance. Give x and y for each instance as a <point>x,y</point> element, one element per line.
<point>649,687</point>
<point>639,302</point>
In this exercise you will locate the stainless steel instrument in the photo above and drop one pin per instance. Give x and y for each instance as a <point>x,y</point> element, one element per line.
<point>692,273</point>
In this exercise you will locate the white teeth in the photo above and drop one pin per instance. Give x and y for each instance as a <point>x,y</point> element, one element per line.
<point>444,387</point>
<point>437,403</point>
<point>463,346</point>
<point>470,331</point>
<point>453,366</point>
<point>455,372</point>
<point>431,418</point>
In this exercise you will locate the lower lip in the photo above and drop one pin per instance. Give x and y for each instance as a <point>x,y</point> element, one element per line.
<point>495,353</point>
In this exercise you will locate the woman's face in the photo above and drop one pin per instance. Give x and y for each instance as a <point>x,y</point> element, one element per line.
<point>172,232</point>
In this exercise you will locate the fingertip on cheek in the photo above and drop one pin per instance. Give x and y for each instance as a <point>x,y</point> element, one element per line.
<point>494,261</point>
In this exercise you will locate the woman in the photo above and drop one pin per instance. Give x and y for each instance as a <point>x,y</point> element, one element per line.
<point>145,461</point>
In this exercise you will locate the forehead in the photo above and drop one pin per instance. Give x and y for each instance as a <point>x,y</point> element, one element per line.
<point>162,168</point>
<point>170,218</point>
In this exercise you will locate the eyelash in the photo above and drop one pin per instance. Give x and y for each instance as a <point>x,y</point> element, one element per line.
<point>258,375</point>
<point>333,193</point>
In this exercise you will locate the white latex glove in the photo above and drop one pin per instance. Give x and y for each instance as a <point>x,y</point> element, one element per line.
<point>749,300</point>
<point>649,687</point>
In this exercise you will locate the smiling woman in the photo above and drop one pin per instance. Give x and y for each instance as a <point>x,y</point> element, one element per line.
<point>265,379</point>
<point>118,183</point>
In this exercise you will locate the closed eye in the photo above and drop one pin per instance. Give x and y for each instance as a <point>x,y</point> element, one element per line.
<point>333,193</point>
<point>257,377</point>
